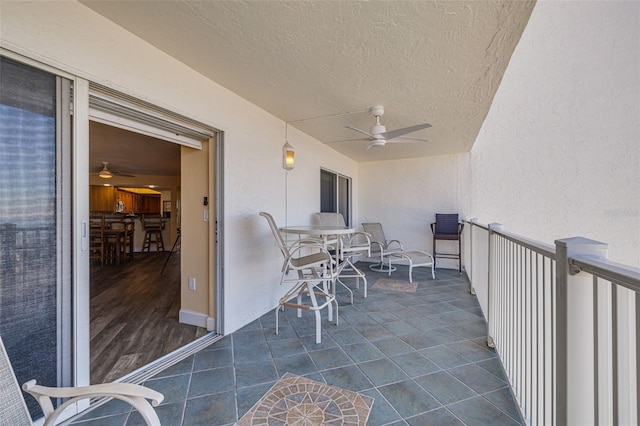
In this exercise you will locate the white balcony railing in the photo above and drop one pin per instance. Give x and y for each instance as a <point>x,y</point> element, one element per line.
<point>563,321</point>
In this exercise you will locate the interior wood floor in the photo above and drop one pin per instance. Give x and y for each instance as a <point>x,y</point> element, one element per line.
<point>134,314</point>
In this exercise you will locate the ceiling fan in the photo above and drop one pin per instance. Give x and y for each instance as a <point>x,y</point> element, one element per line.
<point>105,173</point>
<point>379,136</point>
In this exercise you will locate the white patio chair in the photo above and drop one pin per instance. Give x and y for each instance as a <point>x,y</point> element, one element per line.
<point>347,248</point>
<point>13,409</point>
<point>382,247</point>
<point>312,266</point>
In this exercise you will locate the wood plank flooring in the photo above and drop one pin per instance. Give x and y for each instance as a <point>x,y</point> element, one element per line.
<point>134,315</point>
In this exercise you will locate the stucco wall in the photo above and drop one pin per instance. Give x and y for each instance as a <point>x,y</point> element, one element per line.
<point>559,152</point>
<point>405,195</point>
<point>69,36</point>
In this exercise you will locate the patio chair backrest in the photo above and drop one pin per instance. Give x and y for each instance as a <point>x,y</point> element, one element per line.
<point>276,234</point>
<point>376,232</point>
<point>329,219</point>
<point>13,410</point>
<point>446,223</point>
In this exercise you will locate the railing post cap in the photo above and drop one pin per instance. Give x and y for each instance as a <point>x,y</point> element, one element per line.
<point>474,220</point>
<point>579,241</point>
<point>495,226</point>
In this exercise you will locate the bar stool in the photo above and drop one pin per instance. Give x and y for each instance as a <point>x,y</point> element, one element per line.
<point>116,237</point>
<point>446,227</point>
<point>152,225</point>
<point>96,237</point>
<point>130,227</point>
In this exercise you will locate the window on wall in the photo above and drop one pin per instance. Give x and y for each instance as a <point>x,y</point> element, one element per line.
<point>335,194</point>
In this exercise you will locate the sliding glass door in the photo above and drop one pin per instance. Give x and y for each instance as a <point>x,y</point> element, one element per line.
<point>35,224</point>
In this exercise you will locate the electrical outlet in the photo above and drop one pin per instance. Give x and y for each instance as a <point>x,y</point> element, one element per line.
<point>192,283</point>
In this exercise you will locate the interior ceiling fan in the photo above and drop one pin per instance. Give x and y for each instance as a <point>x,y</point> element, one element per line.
<point>379,136</point>
<point>105,173</point>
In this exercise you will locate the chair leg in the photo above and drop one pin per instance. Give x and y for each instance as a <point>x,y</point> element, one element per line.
<point>308,287</point>
<point>348,289</point>
<point>325,288</point>
<point>410,270</point>
<point>359,274</point>
<point>434,251</point>
<point>459,255</point>
<point>316,312</point>
<point>318,327</point>
<point>365,285</point>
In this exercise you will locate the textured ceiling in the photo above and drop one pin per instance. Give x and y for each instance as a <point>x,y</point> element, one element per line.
<point>425,61</point>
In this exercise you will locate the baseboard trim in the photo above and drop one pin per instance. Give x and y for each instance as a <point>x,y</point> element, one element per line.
<point>211,324</point>
<point>193,318</point>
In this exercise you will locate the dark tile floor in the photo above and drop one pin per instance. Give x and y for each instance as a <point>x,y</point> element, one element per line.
<point>421,355</point>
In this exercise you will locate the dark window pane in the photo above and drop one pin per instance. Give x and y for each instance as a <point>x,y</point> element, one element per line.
<point>328,199</point>
<point>28,244</point>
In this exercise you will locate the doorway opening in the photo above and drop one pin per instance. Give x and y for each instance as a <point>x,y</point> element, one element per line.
<point>137,284</point>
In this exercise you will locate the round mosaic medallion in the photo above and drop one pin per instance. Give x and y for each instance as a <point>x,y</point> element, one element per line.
<point>298,401</point>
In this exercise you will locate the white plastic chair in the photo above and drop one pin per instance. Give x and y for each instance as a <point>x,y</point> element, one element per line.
<point>13,409</point>
<point>347,247</point>
<point>381,246</point>
<point>312,266</point>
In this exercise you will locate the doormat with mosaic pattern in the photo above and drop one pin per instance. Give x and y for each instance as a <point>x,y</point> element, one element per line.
<point>296,400</point>
<point>395,285</point>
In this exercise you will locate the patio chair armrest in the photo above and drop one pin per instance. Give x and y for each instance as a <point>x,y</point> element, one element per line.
<point>433,228</point>
<point>306,242</point>
<point>390,242</point>
<point>357,234</point>
<point>379,249</point>
<point>135,395</point>
<point>460,228</point>
<point>355,247</point>
<point>297,261</point>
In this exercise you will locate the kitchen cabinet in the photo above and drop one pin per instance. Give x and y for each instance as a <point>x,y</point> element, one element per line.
<point>101,198</point>
<point>104,198</point>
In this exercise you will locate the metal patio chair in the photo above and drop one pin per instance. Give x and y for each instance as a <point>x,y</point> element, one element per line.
<point>313,271</point>
<point>347,248</point>
<point>447,228</point>
<point>380,246</point>
<point>13,409</point>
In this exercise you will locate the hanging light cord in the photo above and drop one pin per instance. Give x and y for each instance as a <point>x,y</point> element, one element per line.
<point>286,175</point>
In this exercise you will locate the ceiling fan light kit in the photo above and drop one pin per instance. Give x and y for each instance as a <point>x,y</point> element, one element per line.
<point>105,173</point>
<point>378,135</point>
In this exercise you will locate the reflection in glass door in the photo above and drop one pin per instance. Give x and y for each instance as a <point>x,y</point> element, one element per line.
<point>35,252</point>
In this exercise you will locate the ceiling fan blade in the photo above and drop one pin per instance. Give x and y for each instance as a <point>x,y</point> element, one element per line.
<point>392,134</point>
<point>407,139</point>
<point>348,140</point>
<point>123,174</point>
<point>361,131</point>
